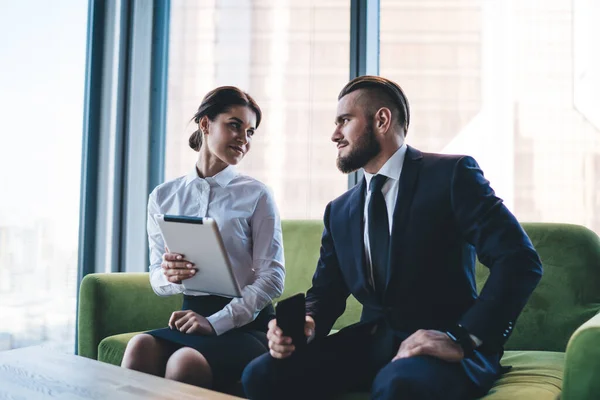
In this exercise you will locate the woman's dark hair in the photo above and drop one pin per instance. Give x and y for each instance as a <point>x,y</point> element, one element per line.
<point>218,101</point>
<point>386,91</point>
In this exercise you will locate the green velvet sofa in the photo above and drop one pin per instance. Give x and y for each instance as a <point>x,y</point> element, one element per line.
<point>554,350</point>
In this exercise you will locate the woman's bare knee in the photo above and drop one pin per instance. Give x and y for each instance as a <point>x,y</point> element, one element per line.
<point>189,366</point>
<point>146,354</point>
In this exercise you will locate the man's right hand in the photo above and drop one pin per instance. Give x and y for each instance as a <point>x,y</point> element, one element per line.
<point>176,268</point>
<point>281,346</point>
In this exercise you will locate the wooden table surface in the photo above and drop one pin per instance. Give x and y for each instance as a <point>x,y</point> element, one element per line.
<point>36,373</point>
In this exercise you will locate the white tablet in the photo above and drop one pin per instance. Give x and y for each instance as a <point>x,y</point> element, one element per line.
<point>199,240</point>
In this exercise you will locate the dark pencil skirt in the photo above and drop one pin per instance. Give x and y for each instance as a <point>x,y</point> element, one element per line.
<point>229,353</point>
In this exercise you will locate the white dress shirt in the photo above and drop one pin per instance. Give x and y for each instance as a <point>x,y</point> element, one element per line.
<point>250,225</point>
<point>393,170</point>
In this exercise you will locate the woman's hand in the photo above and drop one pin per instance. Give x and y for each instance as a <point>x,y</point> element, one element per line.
<point>187,321</point>
<point>176,268</point>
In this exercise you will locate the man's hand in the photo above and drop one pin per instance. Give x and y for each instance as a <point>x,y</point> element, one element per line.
<point>176,268</point>
<point>281,346</point>
<point>430,343</point>
<point>187,321</point>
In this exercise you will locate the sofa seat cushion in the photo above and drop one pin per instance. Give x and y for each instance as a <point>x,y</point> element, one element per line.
<point>112,348</point>
<point>534,374</point>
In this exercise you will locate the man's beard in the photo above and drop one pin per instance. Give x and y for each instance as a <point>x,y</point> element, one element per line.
<point>366,148</point>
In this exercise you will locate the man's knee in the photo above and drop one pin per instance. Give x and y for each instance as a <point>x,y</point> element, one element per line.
<point>401,382</point>
<point>257,377</point>
<point>269,378</point>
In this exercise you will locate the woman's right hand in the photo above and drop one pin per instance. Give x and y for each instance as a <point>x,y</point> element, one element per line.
<point>176,268</point>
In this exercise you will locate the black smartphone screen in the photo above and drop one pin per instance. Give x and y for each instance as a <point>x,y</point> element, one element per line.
<point>290,314</point>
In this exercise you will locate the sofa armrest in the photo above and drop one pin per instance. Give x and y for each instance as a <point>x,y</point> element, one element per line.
<point>114,303</point>
<point>582,362</point>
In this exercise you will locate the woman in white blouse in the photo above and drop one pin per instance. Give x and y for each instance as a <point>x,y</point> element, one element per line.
<point>210,341</point>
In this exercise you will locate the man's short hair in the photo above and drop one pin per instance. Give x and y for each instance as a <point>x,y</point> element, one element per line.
<point>387,90</point>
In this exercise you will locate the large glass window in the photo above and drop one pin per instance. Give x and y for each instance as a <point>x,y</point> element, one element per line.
<point>42,48</point>
<point>293,58</point>
<point>507,82</point>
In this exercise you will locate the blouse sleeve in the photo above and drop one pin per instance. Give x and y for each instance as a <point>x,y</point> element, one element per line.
<point>158,280</point>
<point>268,266</point>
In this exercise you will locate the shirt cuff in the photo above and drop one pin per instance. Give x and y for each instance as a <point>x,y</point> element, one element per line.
<point>476,340</point>
<point>161,285</point>
<point>221,322</point>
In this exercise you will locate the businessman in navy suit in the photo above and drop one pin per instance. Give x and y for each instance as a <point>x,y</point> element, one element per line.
<point>403,241</point>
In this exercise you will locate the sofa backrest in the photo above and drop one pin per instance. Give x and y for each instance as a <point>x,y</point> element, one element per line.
<point>568,294</point>
<point>301,244</point>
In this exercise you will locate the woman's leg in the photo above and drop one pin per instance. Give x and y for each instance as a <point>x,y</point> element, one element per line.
<point>189,366</point>
<point>147,354</point>
<point>216,362</point>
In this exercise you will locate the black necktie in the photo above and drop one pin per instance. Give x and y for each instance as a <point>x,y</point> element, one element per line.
<point>379,233</point>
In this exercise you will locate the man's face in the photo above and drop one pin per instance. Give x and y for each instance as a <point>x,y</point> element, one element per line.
<point>354,135</point>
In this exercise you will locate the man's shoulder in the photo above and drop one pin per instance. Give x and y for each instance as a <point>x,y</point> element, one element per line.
<point>431,159</point>
<point>447,164</point>
<point>442,159</point>
<point>347,196</point>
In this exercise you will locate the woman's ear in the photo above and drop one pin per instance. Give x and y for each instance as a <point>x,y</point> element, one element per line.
<point>203,125</point>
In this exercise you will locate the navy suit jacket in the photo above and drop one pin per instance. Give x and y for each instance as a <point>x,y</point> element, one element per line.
<point>446,213</point>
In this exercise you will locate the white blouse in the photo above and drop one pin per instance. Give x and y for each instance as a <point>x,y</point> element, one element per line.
<point>250,225</point>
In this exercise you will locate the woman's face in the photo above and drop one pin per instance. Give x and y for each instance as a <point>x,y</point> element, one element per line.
<point>230,134</point>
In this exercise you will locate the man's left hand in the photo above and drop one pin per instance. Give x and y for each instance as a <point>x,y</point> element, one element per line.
<point>430,343</point>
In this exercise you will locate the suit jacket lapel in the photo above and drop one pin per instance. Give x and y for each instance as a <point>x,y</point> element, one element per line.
<point>356,220</point>
<point>406,191</point>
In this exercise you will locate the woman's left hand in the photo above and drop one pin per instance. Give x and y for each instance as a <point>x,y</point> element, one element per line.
<point>187,321</point>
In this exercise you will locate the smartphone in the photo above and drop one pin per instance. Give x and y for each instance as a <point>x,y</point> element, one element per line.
<point>291,315</point>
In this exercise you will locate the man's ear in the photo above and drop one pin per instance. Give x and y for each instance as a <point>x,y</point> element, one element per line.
<point>383,120</point>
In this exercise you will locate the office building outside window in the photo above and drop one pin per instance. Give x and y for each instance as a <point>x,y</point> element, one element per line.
<point>511,83</point>
<point>293,58</point>
<point>42,47</point>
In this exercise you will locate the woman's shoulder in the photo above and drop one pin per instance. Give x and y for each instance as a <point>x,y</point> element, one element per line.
<point>257,193</point>
<point>249,182</point>
<point>169,186</point>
